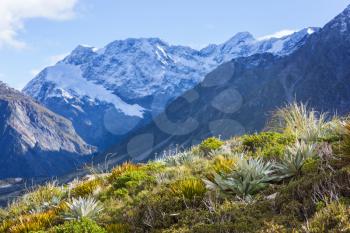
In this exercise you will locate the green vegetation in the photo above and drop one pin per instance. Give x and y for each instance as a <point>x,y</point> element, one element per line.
<point>247,178</point>
<point>83,208</point>
<point>308,125</point>
<point>335,217</point>
<point>267,144</point>
<point>85,188</point>
<point>293,178</point>
<point>189,188</point>
<point>210,144</point>
<point>295,158</point>
<point>83,226</point>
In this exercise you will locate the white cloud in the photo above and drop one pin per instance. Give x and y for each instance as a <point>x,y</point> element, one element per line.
<point>278,34</point>
<point>13,13</point>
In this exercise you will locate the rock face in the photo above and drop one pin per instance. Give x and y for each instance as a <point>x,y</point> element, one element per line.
<point>240,95</point>
<point>108,93</point>
<point>34,141</point>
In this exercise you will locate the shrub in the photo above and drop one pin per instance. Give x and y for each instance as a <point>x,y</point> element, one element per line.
<point>85,188</point>
<point>267,144</point>
<point>118,228</point>
<point>294,159</point>
<point>342,149</point>
<point>30,222</point>
<point>300,197</point>
<point>310,165</point>
<point>117,171</point>
<point>189,188</point>
<point>271,227</point>
<point>83,208</point>
<point>210,144</point>
<point>132,179</point>
<point>224,165</point>
<point>83,226</point>
<point>153,167</point>
<point>121,193</point>
<point>158,210</point>
<point>228,216</point>
<point>335,217</point>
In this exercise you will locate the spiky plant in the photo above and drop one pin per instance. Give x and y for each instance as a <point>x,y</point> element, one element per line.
<point>52,204</point>
<point>181,158</point>
<point>249,177</point>
<point>218,152</point>
<point>31,222</point>
<point>223,164</point>
<point>38,199</point>
<point>83,208</point>
<point>306,124</point>
<point>294,159</point>
<point>189,188</point>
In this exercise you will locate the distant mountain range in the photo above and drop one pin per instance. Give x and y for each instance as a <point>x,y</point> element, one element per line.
<point>138,97</point>
<point>109,92</point>
<point>239,96</point>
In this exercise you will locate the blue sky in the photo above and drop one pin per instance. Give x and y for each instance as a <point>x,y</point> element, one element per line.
<point>35,34</point>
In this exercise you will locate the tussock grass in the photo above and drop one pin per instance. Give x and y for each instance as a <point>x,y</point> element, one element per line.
<point>293,180</point>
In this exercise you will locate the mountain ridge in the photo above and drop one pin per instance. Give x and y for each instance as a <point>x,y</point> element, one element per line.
<point>238,96</point>
<point>94,87</point>
<point>35,141</point>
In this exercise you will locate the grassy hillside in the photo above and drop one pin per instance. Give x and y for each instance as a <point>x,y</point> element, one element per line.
<point>294,177</point>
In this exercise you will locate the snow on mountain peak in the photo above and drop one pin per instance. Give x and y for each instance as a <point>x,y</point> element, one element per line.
<point>278,35</point>
<point>240,37</point>
<point>310,31</point>
<point>136,68</point>
<point>69,83</point>
<point>141,67</point>
<point>136,76</point>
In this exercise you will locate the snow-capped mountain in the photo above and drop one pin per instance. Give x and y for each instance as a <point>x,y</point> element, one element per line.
<point>108,92</point>
<point>245,92</point>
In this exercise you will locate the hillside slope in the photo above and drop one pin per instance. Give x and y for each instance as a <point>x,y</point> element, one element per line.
<point>295,179</point>
<point>34,141</point>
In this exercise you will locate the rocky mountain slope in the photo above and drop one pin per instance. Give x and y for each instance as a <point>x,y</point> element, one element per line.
<point>109,92</point>
<point>35,141</point>
<point>239,96</point>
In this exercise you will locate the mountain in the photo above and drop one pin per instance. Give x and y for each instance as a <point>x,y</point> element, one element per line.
<point>107,93</point>
<point>35,142</point>
<point>239,96</point>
